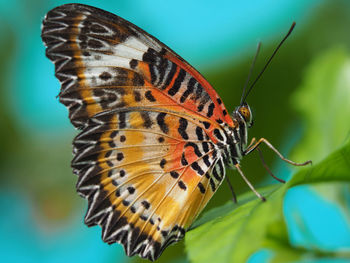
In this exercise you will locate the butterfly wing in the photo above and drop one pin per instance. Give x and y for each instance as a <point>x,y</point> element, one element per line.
<point>146,157</point>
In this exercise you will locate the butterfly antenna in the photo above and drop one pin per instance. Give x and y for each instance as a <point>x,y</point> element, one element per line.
<point>268,62</point>
<point>250,72</point>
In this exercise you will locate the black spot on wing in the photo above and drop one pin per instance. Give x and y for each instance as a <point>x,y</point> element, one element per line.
<point>210,110</point>
<point>113,134</point>
<point>199,133</point>
<point>183,159</point>
<point>197,168</point>
<point>201,188</point>
<point>177,83</point>
<point>206,124</point>
<point>115,183</point>
<point>109,153</point>
<point>174,174</point>
<point>105,76</point>
<point>150,56</point>
<point>120,156</point>
<point>149,96</point>
<point>206,160</point>
<point>182,185</point>
<point>183,123</point>
<point>137,95</point>
<point>212,184</point>
<point>205,147</point>
<point>147,122</point>
<point>162,125</point>
<point>146,204</point>
<point>122,120</point>
<point>189,90</point>
<point>218,135</point>
<point>131,190</point>
<point>162,163</point>
<point>200,107</point>
<point>216,175</point>
<point>133,63</point>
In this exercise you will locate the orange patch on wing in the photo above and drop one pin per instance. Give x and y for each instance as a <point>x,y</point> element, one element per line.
<point>144,68</point>
<point>190,178</point>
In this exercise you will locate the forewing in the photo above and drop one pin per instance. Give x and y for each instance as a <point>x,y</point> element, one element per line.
<point>99,57</point>
<point>146,157</point>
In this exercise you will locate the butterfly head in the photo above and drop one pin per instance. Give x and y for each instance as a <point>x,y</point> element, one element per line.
<point>245,113</point>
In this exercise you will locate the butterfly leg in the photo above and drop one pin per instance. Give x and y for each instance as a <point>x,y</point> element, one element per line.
<point>248,183</point>
<point>234,197</point>
<point>266,167</point>
<point>263,160</point>
<point>251,142</point>
<point>253,145</point>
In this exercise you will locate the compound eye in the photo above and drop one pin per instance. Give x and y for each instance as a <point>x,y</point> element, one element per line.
<point>245,112</point>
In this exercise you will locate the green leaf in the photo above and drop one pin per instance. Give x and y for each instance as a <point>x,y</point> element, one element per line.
<point>236,235</point>
<point>229,206</point>
<point>323,101</point>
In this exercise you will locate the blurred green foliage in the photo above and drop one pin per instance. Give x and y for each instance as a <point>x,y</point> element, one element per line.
<point>324,102</point>
<point>9,134</point>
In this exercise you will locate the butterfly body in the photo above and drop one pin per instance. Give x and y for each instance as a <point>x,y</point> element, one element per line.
<point>154,135</point>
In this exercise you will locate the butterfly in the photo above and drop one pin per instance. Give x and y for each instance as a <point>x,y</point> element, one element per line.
<point>155,137</point>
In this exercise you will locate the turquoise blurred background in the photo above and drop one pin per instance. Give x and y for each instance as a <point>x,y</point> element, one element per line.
<point>42,216</point>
